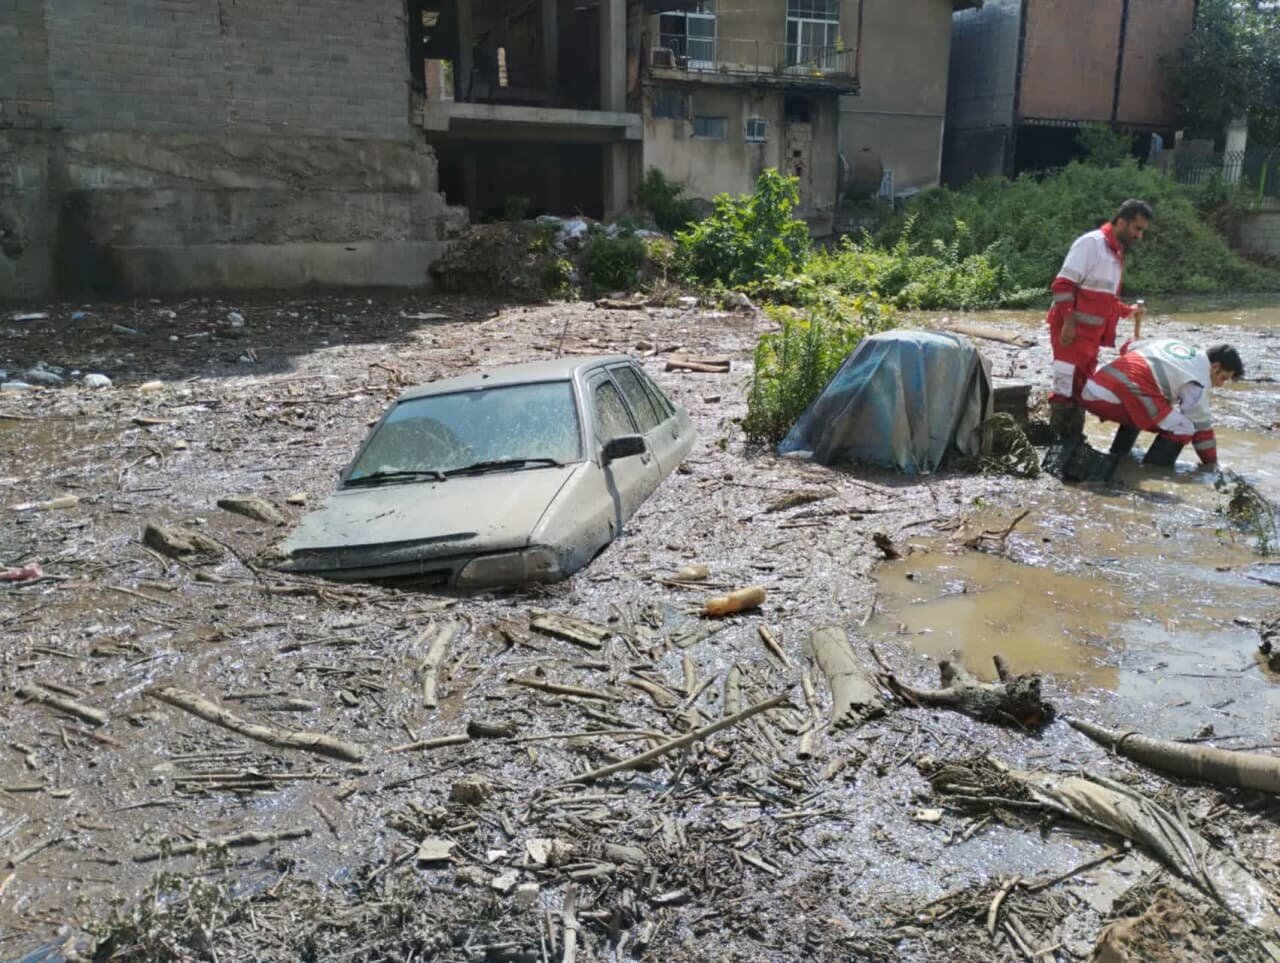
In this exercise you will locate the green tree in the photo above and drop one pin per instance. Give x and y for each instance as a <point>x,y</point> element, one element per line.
<point>1228,66</point>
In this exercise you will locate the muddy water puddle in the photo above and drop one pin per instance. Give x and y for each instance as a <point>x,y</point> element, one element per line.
<point>1140,590</point>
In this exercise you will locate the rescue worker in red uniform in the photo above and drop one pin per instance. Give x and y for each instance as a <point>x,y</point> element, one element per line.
<point>1162,386</point>
<point>1087,308</point>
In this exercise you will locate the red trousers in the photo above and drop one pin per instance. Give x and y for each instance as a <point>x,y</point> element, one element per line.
<point>1075,363</point>
<point>1110,411</point>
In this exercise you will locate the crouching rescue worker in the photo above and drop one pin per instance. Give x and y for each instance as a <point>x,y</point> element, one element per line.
<point>1087,308</point>
<point>1162,386</point>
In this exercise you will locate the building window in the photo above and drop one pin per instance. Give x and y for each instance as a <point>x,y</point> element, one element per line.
<point>690,33</point>
<point>813,31</point>
<point>713,128</point>
<point>757,130</point>
<point>668,103</point>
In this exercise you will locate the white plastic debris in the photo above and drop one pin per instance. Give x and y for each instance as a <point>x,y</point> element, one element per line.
<point>96,381</point>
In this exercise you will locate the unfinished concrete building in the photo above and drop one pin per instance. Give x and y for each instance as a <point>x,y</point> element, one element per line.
<point>1026,74</point>
<point>530,105</point>
<point>172,145</point>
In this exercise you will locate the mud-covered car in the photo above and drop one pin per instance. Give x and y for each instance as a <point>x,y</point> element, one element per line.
<point>508,475</point>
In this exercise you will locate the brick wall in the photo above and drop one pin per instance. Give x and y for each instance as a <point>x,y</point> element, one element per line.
<point>263,66</point>
<point>1069,59</point>
<point>25,101</point>
<point>1156,27</point>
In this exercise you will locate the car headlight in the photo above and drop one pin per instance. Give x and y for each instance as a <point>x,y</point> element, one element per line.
<point>510,568</point>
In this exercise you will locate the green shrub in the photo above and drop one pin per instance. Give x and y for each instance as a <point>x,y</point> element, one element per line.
<point>516,208</point>
<point>1102,146</point>
<point>748,238</point>
<point>912,274</point>
<point>664,199</point>
<point>793,365</point>
<point>1028,224</point>
<point>557,276</point>
<point>544,235</point>
<point>613,263</point>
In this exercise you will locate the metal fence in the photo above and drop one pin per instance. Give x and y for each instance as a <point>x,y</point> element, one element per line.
<point>1252,175</point>
<point>756,57</point>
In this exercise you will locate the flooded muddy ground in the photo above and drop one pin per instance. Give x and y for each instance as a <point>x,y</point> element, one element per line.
<point>1134,601</point>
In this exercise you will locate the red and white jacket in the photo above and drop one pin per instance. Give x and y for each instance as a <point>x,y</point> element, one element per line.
<point>1089,285</point>
<point>1163,385</point>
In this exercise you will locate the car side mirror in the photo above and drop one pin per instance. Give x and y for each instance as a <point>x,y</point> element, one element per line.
<point>623,446</point>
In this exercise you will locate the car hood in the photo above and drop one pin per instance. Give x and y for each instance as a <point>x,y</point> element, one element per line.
<point>463,514</point>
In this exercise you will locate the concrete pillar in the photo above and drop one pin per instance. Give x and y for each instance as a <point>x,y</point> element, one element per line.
<point>616,179</point>
<point>470,183</point>
<point>613,55</point>
<point>550,50</point>
<point>1233,155</point>
<point>466,40</point>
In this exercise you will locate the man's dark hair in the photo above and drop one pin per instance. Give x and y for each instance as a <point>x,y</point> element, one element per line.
<point>1133,208</point>
<point>1228,357</point>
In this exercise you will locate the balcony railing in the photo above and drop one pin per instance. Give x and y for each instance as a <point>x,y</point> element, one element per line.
<point>756,58</point>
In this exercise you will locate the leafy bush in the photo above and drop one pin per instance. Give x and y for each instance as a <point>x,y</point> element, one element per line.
<point>557,276</point>
<point>613,263</point>
<point>1102,146</point>
<point>912,274</point>
<point>664,199</point>
<point>748,238</point>
<point>793,365</point>
<point>516,208</point>
<point>1028,224</point>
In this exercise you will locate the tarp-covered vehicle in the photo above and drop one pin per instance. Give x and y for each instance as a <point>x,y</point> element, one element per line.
<point>510,475</point>
<point>906,400</point>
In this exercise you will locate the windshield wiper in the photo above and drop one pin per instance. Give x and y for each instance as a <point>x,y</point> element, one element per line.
<point>378,477</point>
<point>498,464</point>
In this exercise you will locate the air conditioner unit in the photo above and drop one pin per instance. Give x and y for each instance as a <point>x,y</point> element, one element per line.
<point>663,57</point>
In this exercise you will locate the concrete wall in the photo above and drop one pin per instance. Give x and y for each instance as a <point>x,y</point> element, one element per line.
<point>901,108</point>
<point>1257,233</point>
<point>173,144</point>
<point>1069,60</point>
<point>707,167</point>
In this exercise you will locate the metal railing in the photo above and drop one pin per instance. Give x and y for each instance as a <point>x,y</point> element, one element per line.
<point>1252,175</point>
<point>756,58</point>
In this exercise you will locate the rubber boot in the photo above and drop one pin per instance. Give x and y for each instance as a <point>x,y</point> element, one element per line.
<point>1060,419</point>
<point>1121,445</point>
<point>1076,423</point>
<point>1163,453</point>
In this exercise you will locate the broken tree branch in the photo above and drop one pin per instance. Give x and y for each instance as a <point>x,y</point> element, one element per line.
<point>431,664</point>
<point>36,693</point>
<point>1015,698</point>
<point>688,739</point>
<point>1222,767</point>
<point>223,842</point>
<point>211,712</point>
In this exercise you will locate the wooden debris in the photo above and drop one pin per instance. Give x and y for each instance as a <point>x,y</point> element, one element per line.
<point>688,739</point>
<point>732,698</point>
<point>309,742</point>
<point>662,697</point>
<point>570,691</point>
<point>430,667</point>
<point>855,697</point>
<point>438,743</point>
<point>811,699</point>
<point>253,507</point>
<point>178,542</point>
<point>885,544</point>
<point>482,729</point>
<point>717,364</point>
<point>223,842</point>
<point>569,918</point>
<point>434,849</point>
<point>1014,699</point>
<point>620,304</point>
<point>71,707</point>
<point>994,539</point>
<point>796,499</point>
<point>578,631</point>
<point>471,790</point>
<point>737,601</point>
<point>1222,767</point>
<point>53,504</point>
<point>773,646</point>
<point>991,334</point>
<point>692,573</point>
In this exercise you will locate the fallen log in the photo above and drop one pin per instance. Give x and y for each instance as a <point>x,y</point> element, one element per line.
<point>855,698</point>
<point>737,601</point>
<point>258,509</point>
<point>211,712</point>
<point>570,691</point>
<point>991,334</point>
<point>178,542</point>
<point>1015,698</point>
<point>1222,767</point>
<point>36,693</point>
<point>688,739</point>
<point>718,364</point>
<point>578,631</point>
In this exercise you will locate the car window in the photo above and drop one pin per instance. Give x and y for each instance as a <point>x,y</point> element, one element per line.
<point>661,400</point>
<point>451,431</point>
<point>642,405</point>
<point>612,419</point>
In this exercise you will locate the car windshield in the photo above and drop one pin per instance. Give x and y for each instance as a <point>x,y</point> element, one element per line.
<point>537,423</point>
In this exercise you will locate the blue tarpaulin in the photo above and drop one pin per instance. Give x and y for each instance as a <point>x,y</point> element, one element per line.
<point>903,399</point>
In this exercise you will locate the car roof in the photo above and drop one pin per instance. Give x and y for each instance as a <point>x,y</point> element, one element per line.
<point>559,369</point>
